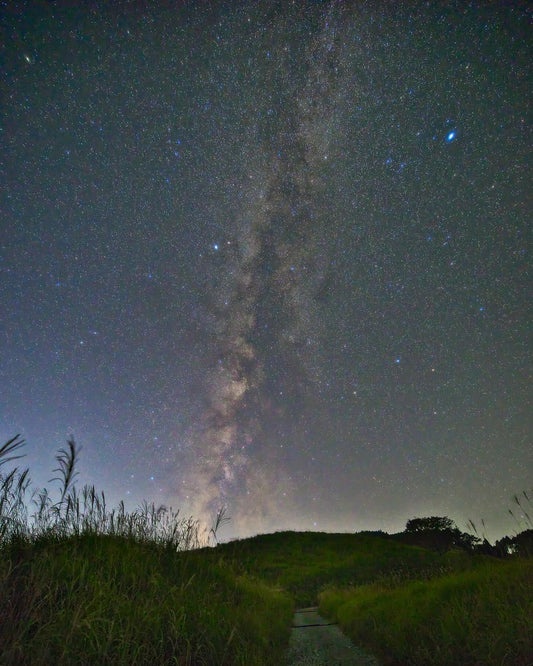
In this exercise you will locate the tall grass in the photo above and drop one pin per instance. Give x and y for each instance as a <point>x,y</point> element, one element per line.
<point>481,615</point>
<point>105,600</point>
<point>36,515</point>
<point>84,583</point>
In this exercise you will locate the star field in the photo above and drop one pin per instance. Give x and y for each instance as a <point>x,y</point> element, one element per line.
<point>271,256</point>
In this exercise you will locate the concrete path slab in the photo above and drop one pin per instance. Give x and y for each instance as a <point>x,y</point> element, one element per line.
<point>316,641</point>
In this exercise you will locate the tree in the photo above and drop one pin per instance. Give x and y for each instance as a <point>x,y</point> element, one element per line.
<point>439,532</point>
<point>521,544</point>
<point>440,523</point>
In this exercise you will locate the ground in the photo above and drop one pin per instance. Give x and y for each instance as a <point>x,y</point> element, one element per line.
<point>316,642</point>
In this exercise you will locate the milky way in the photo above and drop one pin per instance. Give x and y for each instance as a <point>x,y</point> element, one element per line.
<point>265,311</point>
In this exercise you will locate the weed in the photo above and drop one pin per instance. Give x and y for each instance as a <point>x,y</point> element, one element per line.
<point>83,583</point>
<point>482,615</point>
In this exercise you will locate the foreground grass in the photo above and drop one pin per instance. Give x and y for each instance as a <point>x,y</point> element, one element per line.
<point>481,615</point>
<point>84,584</point>
<point>99,598</point>
<point>108,600</point>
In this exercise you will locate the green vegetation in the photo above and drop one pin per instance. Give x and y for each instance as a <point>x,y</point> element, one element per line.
<point>82,583</point>
<point>303,563</point>
<point>108,600</point>
<point>482,615</point>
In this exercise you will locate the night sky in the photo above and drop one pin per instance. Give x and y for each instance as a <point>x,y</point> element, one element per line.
<point>271,255</point>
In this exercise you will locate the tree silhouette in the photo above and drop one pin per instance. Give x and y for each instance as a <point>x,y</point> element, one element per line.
<point>521,544</point>
<point>441,523</point>
<point>439,533</point>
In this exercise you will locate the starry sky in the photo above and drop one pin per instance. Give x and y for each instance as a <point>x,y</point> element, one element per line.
<point>270,255</point>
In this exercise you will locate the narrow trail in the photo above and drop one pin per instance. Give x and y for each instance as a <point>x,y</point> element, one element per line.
<point>318,642</point>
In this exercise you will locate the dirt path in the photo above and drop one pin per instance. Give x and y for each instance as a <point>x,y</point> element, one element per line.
<point>317,642</point>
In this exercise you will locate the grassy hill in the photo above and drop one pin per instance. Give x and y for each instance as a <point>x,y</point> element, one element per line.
<point>303,563</point>
<point>82,584</point>
<point>99,599</point>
